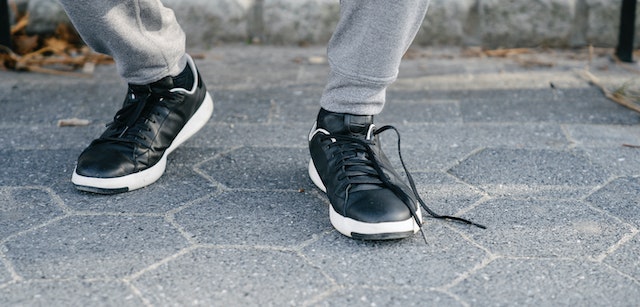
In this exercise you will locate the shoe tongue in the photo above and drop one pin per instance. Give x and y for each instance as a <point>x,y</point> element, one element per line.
<point>139,89</point>
<point>161,85</point>
<point>345,124</point>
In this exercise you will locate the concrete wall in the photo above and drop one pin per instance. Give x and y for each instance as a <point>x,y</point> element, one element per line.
<point>488,23</point>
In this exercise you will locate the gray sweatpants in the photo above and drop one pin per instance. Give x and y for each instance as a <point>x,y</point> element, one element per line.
<point>364,52</point>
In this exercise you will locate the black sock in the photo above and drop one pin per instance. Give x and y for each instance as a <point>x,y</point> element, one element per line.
<point>185,79</point>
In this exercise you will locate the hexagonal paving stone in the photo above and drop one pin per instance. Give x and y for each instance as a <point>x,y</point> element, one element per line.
<point>190,156</point>
<point>258,218</point>
<point>241,106</point>
<point>36,167</point>
<point>297,103</point>
<point>605,136</point>
<point>388,297</point>
<point>51,139</point>
<point>5,276</point>
<point>626,259</point>
<point>179,185</point>
<point>432,157</point>
<point>621,198</point>
<point>24,208</point>
<point>453,135</point>
<point>421,111</point>
<point>545,282</point>
<point>92,247</point>
<point>573,108</point>
<point>261,168</point>
<point>545,228</point>
<point>619,161</point>
<point>443,194</point>
<point>68,293</point>
<point>233,277</point>
<point>404,263</point>
<point>234,135</point>
<point>47,101</point>
<point>531,173</point>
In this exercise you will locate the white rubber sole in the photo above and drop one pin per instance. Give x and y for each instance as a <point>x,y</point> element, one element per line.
<point>366,231</point>
<point>148,176</point>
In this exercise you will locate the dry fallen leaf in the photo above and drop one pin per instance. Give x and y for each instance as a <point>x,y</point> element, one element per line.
<point>61,53</point>
<point>534,63</point>
<point>507,52</point>
<point>316,60</point>
<point>617,96</point>
<point>20,25</point>
<point>24,44</point>
<point>73,122</point>
<point>56,45</point>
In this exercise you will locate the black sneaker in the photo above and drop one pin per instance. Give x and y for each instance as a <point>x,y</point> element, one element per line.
<point>369,200</point>
<point>154,120</point>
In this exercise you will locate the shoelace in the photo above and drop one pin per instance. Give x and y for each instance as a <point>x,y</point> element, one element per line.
<point>351,157</point>
<point>361,170</point>
<point>133,114</point>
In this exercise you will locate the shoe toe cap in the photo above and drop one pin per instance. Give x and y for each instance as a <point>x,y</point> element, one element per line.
<point>99,164</point>
<point>377,206</point>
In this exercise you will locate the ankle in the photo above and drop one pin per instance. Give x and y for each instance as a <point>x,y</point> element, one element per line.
<point>185,79</point>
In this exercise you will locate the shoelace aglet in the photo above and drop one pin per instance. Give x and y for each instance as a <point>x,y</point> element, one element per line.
<point>463,221</point>
<point>457,220</point>
<point>424,235</point>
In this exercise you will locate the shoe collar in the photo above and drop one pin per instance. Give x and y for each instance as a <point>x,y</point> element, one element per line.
<point>345,124</point>
<point>194,70</point>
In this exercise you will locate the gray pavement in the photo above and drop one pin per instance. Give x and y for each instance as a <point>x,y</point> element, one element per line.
<point>533,152</point>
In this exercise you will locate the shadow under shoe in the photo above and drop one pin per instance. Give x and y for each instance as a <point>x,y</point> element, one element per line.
<point>154,120</point>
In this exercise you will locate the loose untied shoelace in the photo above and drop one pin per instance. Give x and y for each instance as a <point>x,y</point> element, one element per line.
<point>360,170</point>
